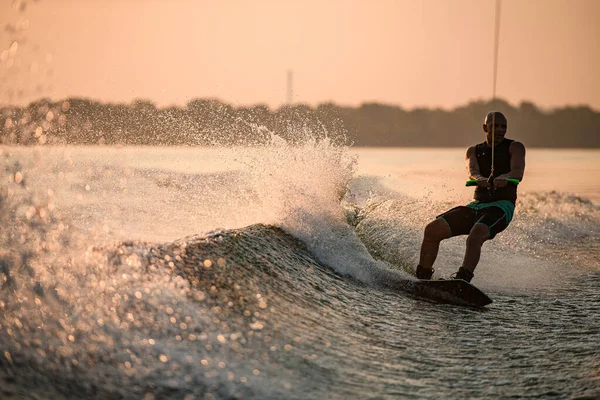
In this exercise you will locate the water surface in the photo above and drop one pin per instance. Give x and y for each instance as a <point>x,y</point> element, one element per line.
<point>254,273</point>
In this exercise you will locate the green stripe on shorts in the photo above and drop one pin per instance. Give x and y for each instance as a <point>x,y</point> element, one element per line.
<point>505,205</point>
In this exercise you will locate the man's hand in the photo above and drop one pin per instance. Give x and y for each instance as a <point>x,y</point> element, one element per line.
<point>483,182</point>
<point>500,181</point>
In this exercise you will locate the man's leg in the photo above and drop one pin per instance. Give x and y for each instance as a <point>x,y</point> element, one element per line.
<point>435,232</point>
<point>491,222</point>
<point>478,235</point>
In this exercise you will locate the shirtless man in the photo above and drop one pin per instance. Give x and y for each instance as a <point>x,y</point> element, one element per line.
<point>494,204</point>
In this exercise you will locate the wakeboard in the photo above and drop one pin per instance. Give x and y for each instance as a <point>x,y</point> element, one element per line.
<point>453,291</point>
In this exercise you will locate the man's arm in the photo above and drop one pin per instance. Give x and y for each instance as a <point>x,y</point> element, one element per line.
<point>517,164</point>
<point>473,168</point>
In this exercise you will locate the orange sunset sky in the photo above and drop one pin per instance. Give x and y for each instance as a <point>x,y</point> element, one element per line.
<point>412,53</point>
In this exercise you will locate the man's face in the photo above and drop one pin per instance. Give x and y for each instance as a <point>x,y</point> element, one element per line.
<point>499,125</point>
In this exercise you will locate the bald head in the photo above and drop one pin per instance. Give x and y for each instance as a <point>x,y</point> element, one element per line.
<point>494,115</point>
<point>494,126</point>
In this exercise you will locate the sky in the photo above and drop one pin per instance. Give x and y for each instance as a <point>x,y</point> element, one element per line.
<point>410,53</point>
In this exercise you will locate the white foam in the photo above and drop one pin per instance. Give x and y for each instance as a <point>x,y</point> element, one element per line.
<point>300,187</point>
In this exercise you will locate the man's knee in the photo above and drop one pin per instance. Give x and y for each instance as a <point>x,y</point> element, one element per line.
<point>437,230</point>
<point>478,235</point>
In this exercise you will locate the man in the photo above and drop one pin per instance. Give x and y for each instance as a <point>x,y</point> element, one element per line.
<point>494,204</point>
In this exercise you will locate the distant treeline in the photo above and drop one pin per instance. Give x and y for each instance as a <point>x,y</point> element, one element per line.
<point>211,122</point>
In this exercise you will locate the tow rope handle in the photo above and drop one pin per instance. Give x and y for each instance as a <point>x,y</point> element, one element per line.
<point>473,182</point>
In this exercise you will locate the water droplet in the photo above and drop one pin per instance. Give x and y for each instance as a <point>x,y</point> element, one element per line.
<point>13,49</point>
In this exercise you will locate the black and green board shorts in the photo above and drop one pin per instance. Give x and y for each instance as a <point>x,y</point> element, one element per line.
<point>496,216</point>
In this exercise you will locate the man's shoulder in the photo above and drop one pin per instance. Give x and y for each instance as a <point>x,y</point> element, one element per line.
<point>475,146</point>
<point>516,145</point>
<point>471,150</point>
